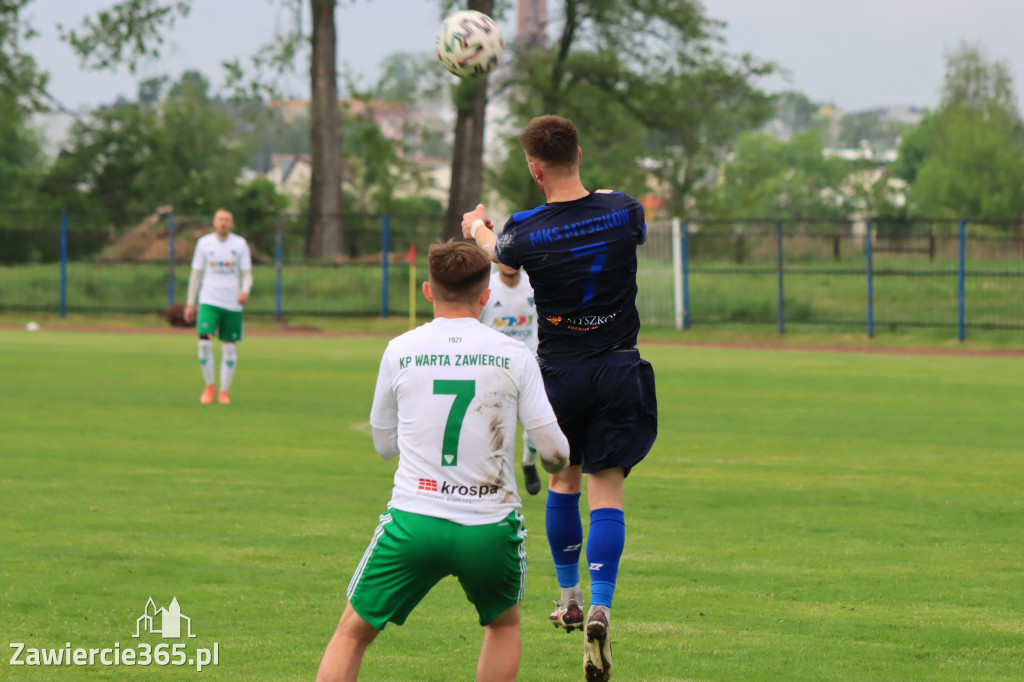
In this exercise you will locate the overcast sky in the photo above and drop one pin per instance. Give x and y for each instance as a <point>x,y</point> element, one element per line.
<point>857,54</point>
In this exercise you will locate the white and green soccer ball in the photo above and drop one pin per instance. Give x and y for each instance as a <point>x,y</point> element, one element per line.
<point>469,43</point>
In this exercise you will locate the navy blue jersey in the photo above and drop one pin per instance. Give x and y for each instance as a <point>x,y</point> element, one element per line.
<point>581,259</point>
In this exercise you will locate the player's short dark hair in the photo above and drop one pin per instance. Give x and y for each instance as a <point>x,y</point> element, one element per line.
<point>551,139</point>
<point>459,271</point>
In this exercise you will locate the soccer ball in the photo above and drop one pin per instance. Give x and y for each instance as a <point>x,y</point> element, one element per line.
<point>469,43</point>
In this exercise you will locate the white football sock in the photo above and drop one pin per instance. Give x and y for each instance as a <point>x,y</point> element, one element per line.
<point>206,360</point>
<point>228,361</point>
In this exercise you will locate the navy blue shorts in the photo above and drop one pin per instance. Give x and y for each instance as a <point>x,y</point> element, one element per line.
<point>606,407</point>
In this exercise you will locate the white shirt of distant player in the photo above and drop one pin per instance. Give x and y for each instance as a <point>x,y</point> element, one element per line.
<point>426,376</point>
<point>512,311</point>
<point>222,264</point>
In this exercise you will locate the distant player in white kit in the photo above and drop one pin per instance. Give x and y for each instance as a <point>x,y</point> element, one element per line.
<point>511,311</point>
<point>222,278</point>
<point>448,398</point>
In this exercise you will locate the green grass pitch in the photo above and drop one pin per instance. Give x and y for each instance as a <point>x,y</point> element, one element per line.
<point>803,516</point>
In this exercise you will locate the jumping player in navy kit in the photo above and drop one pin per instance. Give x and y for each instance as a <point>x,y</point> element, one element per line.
<point>579,249</point>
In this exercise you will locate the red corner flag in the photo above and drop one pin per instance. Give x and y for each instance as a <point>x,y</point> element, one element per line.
<point>411,256</point>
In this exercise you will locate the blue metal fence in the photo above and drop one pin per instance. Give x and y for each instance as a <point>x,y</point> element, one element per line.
<point>873,275</point>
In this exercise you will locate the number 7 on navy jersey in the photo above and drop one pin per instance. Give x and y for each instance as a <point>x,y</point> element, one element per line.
<point>464,391</point>
<point>599,252</point>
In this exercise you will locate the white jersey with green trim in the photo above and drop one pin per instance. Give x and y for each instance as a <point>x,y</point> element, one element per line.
<point>511,310</point>
<point>454,389</point>
<point>222,264</point>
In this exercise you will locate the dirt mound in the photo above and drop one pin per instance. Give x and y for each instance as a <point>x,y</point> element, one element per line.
<point>149,242</point>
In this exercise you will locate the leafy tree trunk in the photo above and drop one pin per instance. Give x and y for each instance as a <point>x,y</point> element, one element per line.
<point>467,156</point>
<point>325,233</point>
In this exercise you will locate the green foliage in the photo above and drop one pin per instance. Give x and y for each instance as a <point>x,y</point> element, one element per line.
<point>104,158</point>
<point>795,111</point>
<point>20,153</point>
<point>20,76</point>
<point>127,33</point>
<point>767,177</point>
<point>914,147</point>
<point>133,158</point>
<point>413,79</point>
<point>978,83</point>
<point>967,158</point>
<point>643,81</point>
<point>974,168</point>
<point>868,127</point>
<point>378,171</point>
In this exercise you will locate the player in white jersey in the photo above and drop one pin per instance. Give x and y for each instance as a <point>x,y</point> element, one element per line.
<point>222,278</point>
<point>448,398</point>
<point>511,311</point>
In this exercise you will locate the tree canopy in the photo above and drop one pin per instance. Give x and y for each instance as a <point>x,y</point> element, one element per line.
<point>966,158</point>
<point>672,98</point>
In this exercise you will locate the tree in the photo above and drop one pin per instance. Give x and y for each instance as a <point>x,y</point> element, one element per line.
<point>20,78</point>
<point>20,153</point>
<point>981,85</point>
<point>973,168</point>
<point>470,99</point>
<point>326,236</point>
<point>795,111</point>
<point>870,128</point>
<point>642,80</point>
<point>135,157</point>
<point>966,159</point>
<point>131,30</point>
<point>767,177</point>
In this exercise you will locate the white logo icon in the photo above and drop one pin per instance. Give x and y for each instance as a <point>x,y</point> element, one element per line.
<point>596,566</point>
<point>163,622</point>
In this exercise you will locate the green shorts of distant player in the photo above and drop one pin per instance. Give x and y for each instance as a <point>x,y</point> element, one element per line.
<point>410,553</point>
<point>226,323</point>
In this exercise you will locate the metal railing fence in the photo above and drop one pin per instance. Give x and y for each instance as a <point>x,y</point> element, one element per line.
<point>872,275</point>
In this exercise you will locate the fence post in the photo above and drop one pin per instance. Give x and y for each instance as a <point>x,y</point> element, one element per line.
<point>869,255</point>
<point>278,269</point>
<point>677,274</point>
<point>740,248</point>
<point>961,281</point>
<point>170,258</point>
<point>63,263</point>
<point>385,238</point>
<point>685,229</point>
<point>782,305</point>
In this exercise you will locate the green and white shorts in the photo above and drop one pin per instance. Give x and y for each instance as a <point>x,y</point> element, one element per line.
<point>228,323</point>
<point>410,553</point>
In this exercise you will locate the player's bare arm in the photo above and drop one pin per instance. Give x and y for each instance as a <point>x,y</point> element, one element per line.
<point>473,224</point>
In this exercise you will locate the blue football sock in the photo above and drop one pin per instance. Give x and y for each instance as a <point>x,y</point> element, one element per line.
<point>565,535</point>
<point>605,541</point>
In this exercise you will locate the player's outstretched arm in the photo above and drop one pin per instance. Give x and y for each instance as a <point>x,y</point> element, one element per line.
<point>552,447</point>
